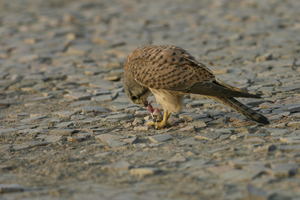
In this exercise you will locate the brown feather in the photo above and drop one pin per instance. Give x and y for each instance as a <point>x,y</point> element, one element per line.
<point>241,108</point>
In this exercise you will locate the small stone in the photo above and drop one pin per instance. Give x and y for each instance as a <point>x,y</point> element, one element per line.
<point>29,40</point>
<point>78,50</point>
<point>142,172</point>
<point>283,169</point>
<point>29,145</point>
<point>294,124</point>
<point>279,116</point>
<point>33,117</point>
<point>194,104</point>
<point>199,124</point>
<point>160,138</point>
<point>290,147</point>
<point>102,98</point>
<point>264,57</point>
<point>78,96</point>
<point>64,114</point>
<point>177,158</point>
<point>272,148</point>
<point>121,116</point>
<point>65,124</point>
<point>28,58</point>
<point>294,108</point>
<point>110,140</point>
<point>276,196</point>
<point>9,188</point>
<point>191,116</point>
<point>118,166</point>
<point>256,193</point>
<point>62,131</point>
<point>189,141</point>
<point>113,65</point>
<point>141,128</point>
<point>137,121</point>
<point>233,137</point>
<point>201,137</point>
<point>280,125</point>
<point>290,139</point>
<point>188,128</point>
<point>254,140</point>
<point>112,78</point>
<point>78,138</point>
<point>94,109</point>
<point>118,106</point>
<point>277,131</point>
<point>130,140</point>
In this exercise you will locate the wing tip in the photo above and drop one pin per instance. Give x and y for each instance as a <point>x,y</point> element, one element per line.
<point>262,119</point>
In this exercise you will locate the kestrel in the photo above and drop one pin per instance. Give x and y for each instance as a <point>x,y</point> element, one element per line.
<point>169,73</point>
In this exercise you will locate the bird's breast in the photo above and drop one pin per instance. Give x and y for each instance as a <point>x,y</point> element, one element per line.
<point>169,100</point>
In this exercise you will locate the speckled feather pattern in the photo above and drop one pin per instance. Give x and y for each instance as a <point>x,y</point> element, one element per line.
<point>166,67</point>
<point>169,72</point>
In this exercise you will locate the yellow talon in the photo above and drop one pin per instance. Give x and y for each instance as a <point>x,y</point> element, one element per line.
<point>160,124</point>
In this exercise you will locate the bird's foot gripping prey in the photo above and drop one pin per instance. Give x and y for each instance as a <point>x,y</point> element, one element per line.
<point>169,73</point>
<point>158,122</point>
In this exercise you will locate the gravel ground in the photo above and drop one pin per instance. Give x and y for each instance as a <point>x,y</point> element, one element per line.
<point>67,130</point>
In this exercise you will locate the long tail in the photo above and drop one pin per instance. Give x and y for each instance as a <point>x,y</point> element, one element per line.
<point>241,108</point>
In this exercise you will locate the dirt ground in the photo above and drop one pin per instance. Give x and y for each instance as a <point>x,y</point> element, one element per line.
<point>67,130</point>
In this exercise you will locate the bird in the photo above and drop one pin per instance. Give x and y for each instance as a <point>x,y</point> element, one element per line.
<point>169,73</point>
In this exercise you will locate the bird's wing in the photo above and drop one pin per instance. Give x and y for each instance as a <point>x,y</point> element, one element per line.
<point>172,68</point>
<point>168,67</point>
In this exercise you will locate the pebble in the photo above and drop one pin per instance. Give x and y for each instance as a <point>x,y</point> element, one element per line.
<point>29,145</point>
<point>110,140</point>
<point>256,193</point>
<point>10,188</point>
<point>121,116</point>
<point>142,172</point>
<point>102,98</point>
<point>33,117</point>
<point>94,109</point>
<point>76,138</point>
<point>177,158</point>
<point>119,166</point>
<point>131,140</point>
<point>294,108</point>
<point>119,106</point>
<point>294,124</point>
<point>192,116</point>
<point>50,138</point>
<point>65,124</point>
<point>201,137</point>
<point>254,140</point>
<point>140,128</point>
<point>62,132</point>
<point>188,128</point>
<point>199,124</point>
<point>160,138</point>
<point>64,114</point>
<point>78,96</point>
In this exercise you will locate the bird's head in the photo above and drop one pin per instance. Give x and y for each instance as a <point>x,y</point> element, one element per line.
<point>137,93</point>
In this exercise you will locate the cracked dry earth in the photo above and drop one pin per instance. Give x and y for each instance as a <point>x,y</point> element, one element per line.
<point>67,130</point>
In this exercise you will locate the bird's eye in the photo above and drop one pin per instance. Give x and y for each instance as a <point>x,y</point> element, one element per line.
<point>134,98</point>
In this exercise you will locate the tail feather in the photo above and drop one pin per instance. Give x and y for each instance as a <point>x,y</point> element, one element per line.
<point>243,109</point>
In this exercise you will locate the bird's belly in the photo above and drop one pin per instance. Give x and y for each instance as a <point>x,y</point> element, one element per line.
<point>169,100</point>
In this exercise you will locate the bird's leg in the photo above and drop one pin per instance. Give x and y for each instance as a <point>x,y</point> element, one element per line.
<point>163,123</point>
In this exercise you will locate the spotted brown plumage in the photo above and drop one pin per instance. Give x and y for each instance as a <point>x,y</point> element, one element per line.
<point>169,72</point>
